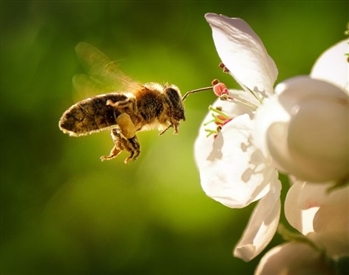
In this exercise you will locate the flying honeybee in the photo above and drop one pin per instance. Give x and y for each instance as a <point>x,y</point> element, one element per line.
<point>138,108</point>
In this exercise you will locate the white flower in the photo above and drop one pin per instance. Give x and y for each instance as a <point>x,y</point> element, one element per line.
<point>333,67</point>
<point>304,127</point>
<point>323,218</point>
<point>239,164</point>
<point>321,215</point>
<point>307,135</point>
<point>232,169</point>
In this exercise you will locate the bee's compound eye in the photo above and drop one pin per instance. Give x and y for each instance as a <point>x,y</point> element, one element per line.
<point>173,96</point>
<point>175,101</point>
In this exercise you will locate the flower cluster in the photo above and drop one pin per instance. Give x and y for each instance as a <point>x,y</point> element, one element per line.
<point>299,128</point>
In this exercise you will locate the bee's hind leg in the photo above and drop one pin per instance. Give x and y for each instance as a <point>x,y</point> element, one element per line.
<point>121,143</point>
<point>118,146</point>
<point>132,145</point>
<point>127,136</point>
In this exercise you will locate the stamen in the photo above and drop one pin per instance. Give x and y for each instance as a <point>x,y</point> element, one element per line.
<point>215,82</point>
<point>249,104</point>
<point>258,96</point>
<point>219,118</point>
<point>210,132</point>
<point>219,88</point>
<point>225,69</point>
<point>219,111</point>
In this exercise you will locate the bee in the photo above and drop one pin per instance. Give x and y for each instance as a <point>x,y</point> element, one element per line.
<point>139,107</point>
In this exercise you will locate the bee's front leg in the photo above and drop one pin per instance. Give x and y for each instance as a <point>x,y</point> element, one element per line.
<point>175,126</point>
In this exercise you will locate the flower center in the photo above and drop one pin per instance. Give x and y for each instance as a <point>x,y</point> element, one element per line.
<point>219,117</point>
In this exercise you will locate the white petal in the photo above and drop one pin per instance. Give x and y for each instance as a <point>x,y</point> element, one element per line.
<point>232,170</point>
<point>321,215</point>
<point>314,194</point>
<point>333,214</point>
<point>270,112</point>
<point>330,221</point>
<point>332,66</point>
<point>297,214</point>
<point>262,225</point>
<point>305,129</point>
<point>336,243</point>
<point>293,259</point>
<point>243,53</point>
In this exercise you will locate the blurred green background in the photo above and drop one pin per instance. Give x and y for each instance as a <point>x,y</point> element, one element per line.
<point>65,212</point>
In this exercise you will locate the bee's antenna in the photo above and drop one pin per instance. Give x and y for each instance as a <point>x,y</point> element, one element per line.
<point>196,91</point>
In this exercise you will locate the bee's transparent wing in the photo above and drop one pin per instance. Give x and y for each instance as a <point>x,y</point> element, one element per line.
<point>103,75</point>
<point>85,86</point>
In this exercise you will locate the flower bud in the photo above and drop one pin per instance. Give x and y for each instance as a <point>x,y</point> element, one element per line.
<point>294,259</point>
<point>311,142</point>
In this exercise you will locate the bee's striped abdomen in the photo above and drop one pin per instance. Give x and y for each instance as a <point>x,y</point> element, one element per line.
<point>91,115</point>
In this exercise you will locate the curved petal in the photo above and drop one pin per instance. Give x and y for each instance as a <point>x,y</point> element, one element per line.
<point>331,221</point>
<point>304,128</point>
<point>262,225</point>
<point>321,215</point>
<point>293,258</point>
<point>232,170</point>
<point>267,114</point>
<point>297,214</point>
<point>332,66</point>
<point>243,53</point>
<point>335,243</point>
<point>314,194</point>
<point>333,214</point>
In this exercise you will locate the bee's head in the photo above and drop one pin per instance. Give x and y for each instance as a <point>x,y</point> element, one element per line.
<point>174,100</point>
